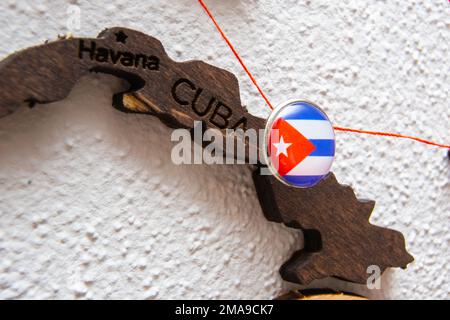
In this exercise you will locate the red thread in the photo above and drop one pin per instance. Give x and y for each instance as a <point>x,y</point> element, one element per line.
<point>376,133</point>
<point>235,53</point>
<point>394,135</point>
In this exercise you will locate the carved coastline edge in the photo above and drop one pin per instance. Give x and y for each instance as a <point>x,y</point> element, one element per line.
<point>339,240</point>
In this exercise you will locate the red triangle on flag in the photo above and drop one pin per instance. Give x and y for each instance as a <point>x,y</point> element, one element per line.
<point>299,148</point>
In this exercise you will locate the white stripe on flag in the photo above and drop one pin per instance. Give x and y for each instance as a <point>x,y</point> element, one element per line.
<point>312,166</point>
<point>313,129</point>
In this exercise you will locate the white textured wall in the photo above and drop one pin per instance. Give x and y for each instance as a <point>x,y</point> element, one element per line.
<point>91,206</point>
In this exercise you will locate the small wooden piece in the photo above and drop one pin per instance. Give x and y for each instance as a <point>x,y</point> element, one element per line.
<point>339,241</point>
<point>319,294</point>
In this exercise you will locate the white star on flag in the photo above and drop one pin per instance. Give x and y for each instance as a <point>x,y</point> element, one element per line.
<point>282,147</point>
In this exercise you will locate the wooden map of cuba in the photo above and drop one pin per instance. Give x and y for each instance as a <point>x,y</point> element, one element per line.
<point>339,240</point>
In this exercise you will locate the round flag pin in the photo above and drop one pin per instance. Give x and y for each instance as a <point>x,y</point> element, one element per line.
<point>300,144</point>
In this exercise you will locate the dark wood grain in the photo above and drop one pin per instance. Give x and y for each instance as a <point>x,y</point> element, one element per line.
<point>339,240</point>
<point>177,93</point>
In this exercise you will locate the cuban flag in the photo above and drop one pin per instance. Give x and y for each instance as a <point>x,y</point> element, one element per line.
<point>301,144</point>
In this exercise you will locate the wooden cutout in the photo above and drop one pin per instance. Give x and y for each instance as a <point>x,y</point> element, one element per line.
<point>339,240</point>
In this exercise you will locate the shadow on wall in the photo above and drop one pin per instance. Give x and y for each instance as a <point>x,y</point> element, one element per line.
<point>135,150</point>
<point>102,161</point>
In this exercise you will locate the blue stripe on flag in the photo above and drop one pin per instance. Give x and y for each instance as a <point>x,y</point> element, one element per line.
<point>303,181</point>
<point>305,111</point>
<point>324,148</point>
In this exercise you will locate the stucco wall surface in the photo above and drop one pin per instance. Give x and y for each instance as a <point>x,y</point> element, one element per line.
<point>92,207</point>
